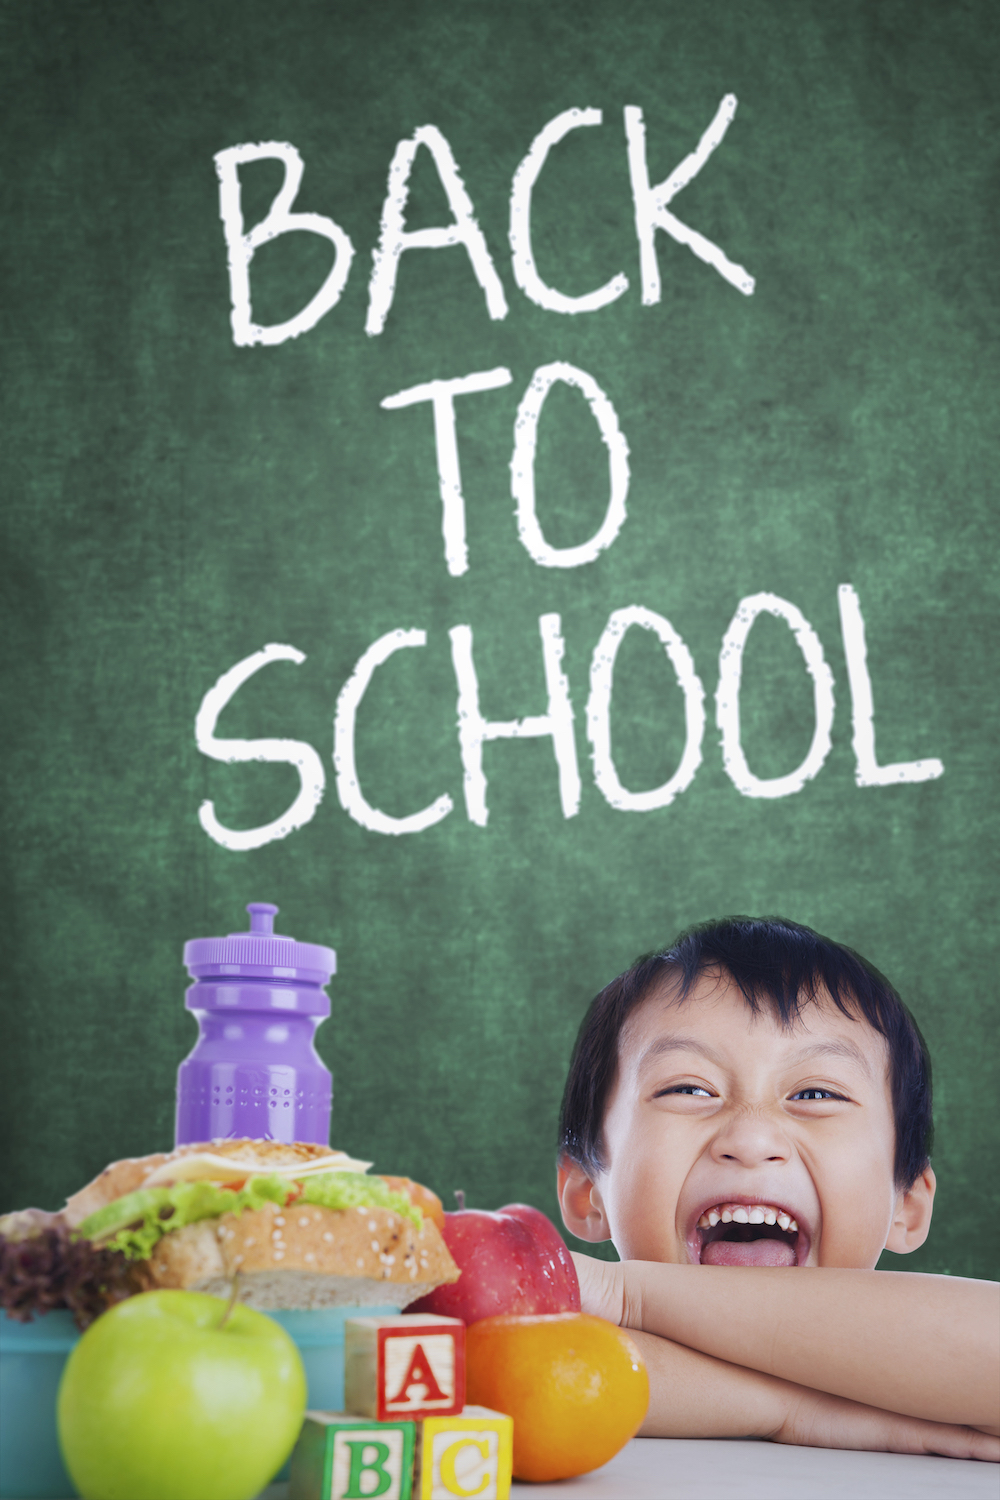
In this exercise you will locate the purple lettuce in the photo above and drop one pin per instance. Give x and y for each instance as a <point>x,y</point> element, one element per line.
<point>44,1265</point>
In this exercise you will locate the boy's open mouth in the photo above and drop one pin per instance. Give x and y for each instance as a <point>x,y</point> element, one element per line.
<point>749,1234</point>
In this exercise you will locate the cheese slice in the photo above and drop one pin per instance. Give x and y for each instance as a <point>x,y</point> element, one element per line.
<point>206,1166</point>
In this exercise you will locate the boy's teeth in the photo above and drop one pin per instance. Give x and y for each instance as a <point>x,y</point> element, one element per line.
<point>748,1213</point>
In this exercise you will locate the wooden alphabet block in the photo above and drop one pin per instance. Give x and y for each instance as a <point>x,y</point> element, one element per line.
<point>412,1365</point>
<point>466,1455</point>
<point>341,1457</point>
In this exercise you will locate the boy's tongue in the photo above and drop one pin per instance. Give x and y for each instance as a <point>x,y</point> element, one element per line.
<point>763,1252</point>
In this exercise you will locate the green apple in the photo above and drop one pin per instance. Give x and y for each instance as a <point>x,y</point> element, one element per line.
<point>173,1396</point>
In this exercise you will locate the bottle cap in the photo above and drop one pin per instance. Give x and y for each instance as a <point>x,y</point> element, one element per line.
<point>260,953</point>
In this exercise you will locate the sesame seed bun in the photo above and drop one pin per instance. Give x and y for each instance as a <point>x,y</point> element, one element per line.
<point>306,1257</point>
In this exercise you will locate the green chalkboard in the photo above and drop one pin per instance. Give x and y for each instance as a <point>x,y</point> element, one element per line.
<point>781,433</point>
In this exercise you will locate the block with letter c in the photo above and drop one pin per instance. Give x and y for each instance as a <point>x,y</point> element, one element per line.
<point>467,1457</point>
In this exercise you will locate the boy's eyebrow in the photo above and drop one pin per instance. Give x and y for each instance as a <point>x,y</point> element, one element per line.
<point>833,1047</point>
<point>665,1044</point>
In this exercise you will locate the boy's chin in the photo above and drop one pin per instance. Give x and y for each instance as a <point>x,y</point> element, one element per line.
<point>748,1253</point>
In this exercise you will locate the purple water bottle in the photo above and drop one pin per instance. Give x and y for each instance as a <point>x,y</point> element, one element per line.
<point>254,1071</point>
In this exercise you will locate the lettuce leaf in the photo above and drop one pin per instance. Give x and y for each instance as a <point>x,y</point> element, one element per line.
<point>354,1190</point>
<point>136,1223</point>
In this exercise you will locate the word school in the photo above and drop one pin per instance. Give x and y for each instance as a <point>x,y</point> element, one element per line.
<point>556,723</point>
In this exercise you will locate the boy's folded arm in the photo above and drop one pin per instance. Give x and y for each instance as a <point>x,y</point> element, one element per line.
<point>925,1346</point>
<point>693,1395</point>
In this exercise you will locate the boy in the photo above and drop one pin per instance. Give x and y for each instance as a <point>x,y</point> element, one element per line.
<point>752,1099</point>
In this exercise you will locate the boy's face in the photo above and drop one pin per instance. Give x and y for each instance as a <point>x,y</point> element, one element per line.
<point>719,1117</point>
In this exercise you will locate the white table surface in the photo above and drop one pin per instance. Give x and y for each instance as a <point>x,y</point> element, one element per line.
<point>690,1469</point>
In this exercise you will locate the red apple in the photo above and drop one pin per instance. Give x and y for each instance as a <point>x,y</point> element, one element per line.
<point>512,1261</point>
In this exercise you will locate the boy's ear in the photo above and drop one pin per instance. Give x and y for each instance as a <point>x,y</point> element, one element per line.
<point>580,1202</point>
<point>912,1220</point>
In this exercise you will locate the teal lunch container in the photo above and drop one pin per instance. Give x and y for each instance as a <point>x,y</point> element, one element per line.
<point>32,1356</point>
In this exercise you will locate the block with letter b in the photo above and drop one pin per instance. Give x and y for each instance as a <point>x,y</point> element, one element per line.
<point>410,1366</point>
<point>342,1457</point>
<point>466,1455</point>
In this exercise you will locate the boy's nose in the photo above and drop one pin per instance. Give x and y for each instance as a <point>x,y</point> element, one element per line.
<point>750,1138</point>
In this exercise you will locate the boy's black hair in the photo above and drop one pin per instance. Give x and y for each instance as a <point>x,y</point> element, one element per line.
<point>776,964</point>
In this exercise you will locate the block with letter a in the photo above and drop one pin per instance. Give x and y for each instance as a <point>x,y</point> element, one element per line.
<point>464,1456</point>
<point>410,1366</point>
<point>339,1457</point>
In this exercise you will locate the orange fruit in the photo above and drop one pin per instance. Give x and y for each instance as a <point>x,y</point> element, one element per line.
<point>576,1387</point>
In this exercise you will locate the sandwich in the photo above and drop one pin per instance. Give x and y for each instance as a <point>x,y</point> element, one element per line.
<point>289,1225</point>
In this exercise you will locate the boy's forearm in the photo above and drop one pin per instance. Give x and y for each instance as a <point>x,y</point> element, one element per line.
<point>924,1346</point>
<point>692,1395</point>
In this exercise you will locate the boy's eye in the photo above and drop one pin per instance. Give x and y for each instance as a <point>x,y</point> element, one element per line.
<point>685,1088</point>
<point>816,1094</point>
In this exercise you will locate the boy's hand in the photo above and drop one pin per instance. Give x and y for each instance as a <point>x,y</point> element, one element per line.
<point>608,1291</point>
<point>816,1420</point>
<point>602,1287</point>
